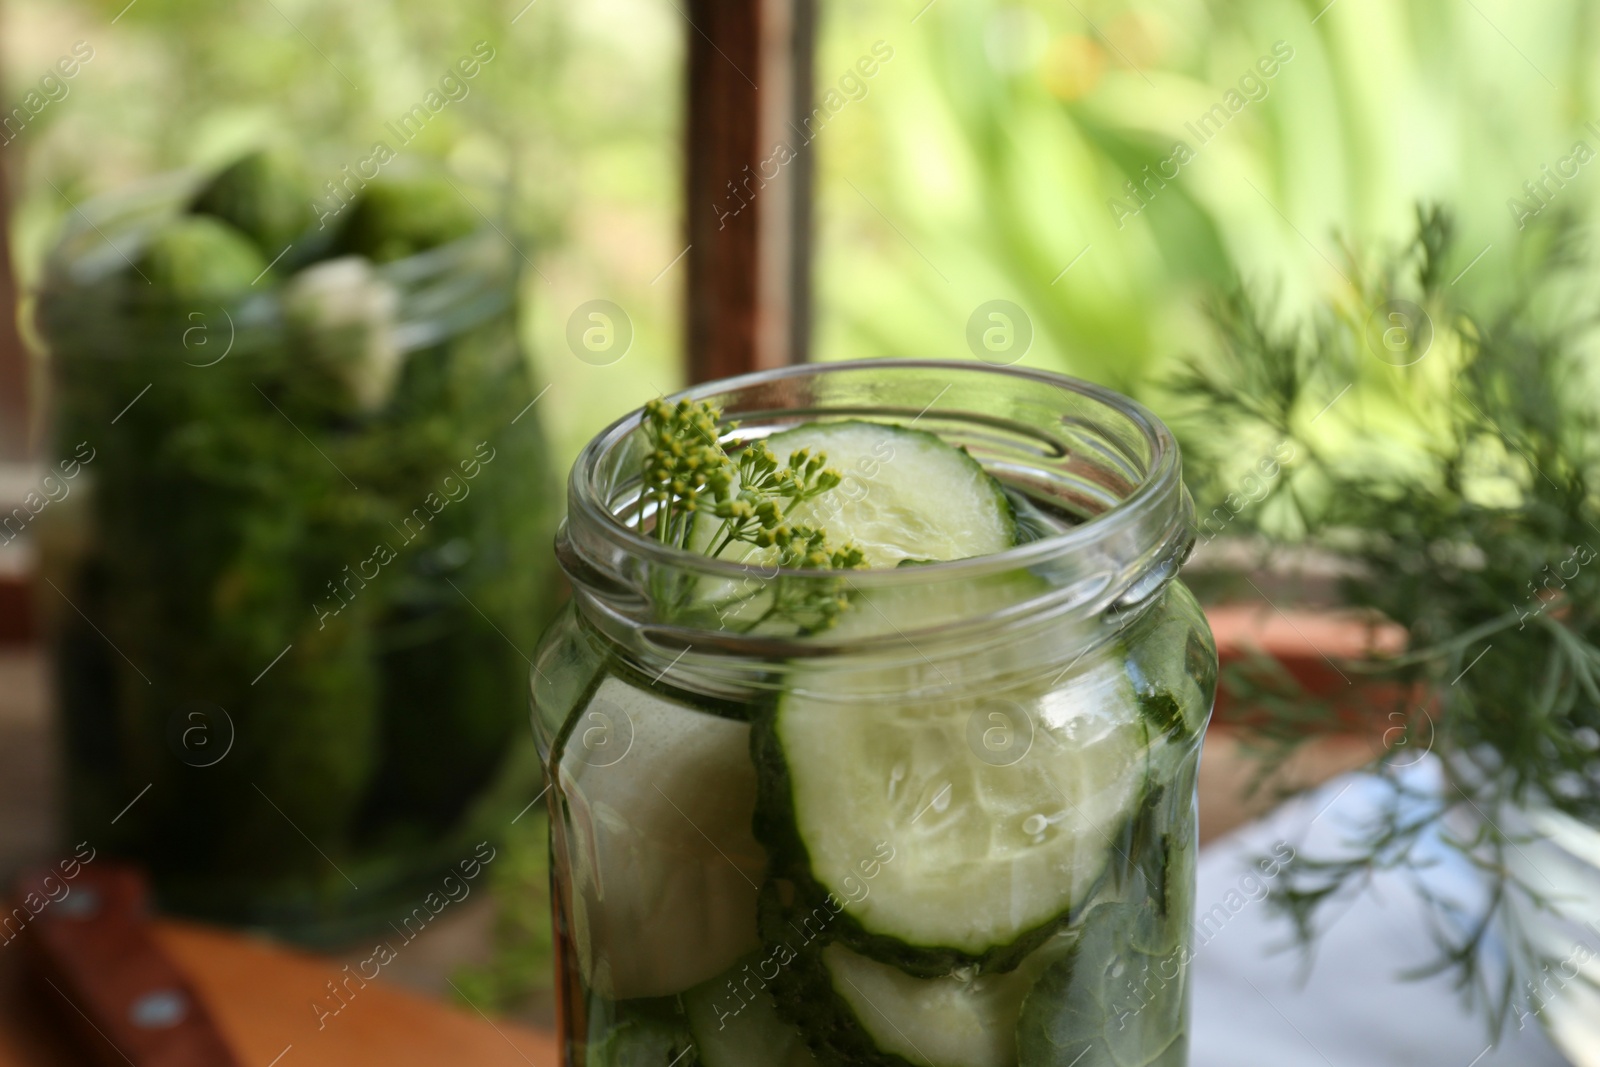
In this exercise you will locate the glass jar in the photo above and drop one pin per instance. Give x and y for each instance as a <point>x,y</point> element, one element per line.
<point>956,827</point>
<point>295,562</point>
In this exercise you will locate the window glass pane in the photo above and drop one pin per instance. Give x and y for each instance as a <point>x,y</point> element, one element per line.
<point>1097,162</point>
<point>567,135</point>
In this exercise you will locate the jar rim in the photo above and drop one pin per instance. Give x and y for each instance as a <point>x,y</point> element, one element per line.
<point>1159,483</point>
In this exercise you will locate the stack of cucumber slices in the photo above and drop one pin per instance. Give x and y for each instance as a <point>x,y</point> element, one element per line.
<point>848,873</point>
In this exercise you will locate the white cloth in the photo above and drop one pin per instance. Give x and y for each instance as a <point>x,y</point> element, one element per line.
<point>1251,1008</point>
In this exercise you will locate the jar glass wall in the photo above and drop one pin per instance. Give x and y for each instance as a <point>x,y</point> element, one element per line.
<point>955,827</point>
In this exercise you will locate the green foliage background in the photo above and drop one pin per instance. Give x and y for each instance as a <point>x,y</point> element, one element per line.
<point>995,137</point>
<point>977,164</point>
<point>568,137</point>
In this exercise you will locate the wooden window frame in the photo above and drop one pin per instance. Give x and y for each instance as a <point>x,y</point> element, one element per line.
<point>749,173</point>
<point>16,427</point>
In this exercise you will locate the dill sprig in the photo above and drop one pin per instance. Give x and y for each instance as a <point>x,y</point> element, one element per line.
<point>706,501</point>
<point>1457,484</point>
<point>684,465</point>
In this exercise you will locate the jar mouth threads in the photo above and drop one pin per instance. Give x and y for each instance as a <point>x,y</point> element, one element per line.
<point>1095,456</point>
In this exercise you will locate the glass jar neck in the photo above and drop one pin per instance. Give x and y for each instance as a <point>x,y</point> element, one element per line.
<point>1096,458</point>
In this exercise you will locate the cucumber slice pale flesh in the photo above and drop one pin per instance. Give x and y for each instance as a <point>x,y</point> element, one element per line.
<point>991,849</point>
<point>905,494</point>
<point>965,1019</point>
<point>658,798</point>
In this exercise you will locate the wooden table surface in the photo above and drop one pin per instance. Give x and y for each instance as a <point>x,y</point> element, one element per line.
<point>261,996</point>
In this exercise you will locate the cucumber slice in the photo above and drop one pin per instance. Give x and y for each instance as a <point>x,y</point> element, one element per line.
<point>858,1011</point>
<point>906,494</point>
<point>657,798</point>
<point>965,1019</point>
<point>901,610</point>
<point>1110,1002</point>
<point>735,1023</point>
<point>990,848</point>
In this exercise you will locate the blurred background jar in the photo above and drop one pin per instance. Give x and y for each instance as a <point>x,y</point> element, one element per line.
<point>300,543</point>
